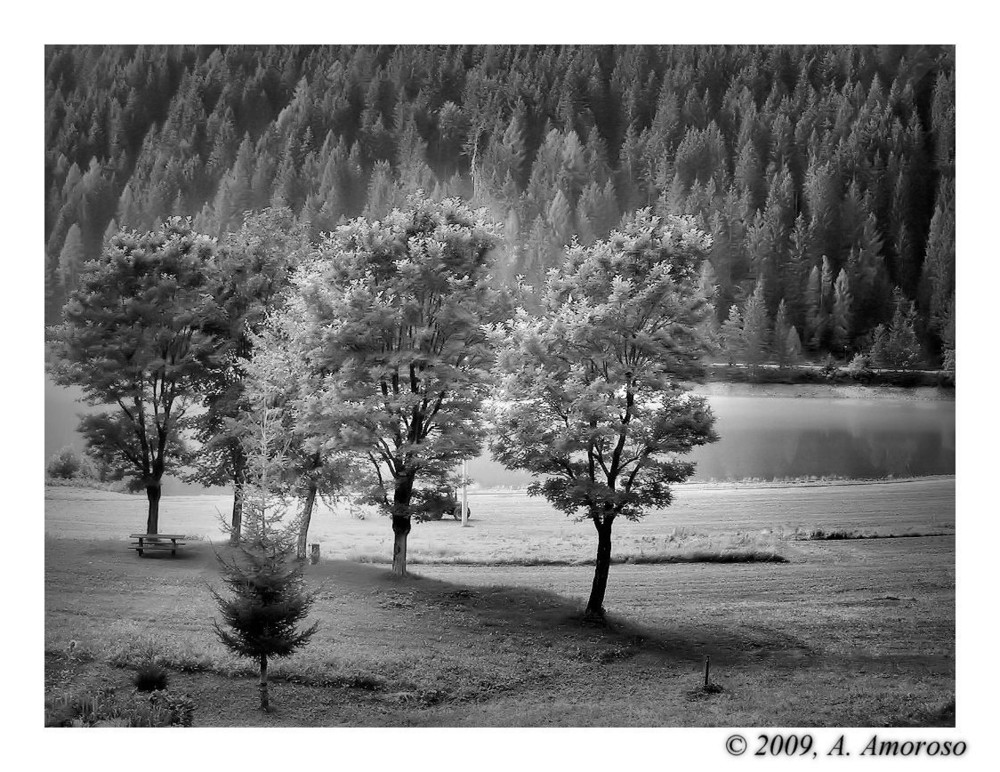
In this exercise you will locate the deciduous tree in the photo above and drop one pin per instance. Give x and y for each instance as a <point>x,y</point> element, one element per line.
<point>254,266</point>
<point>133,337</point>
<point>590,397</point>
<point>392,316</point>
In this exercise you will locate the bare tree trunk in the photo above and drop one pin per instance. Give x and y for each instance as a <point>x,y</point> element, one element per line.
<point>595,606</point>
<point>401,521</point>
<point>307,508</point>
<point>153,492</point>
<point>400,530</point>
<point>237,526</point>
<point>264,704</point>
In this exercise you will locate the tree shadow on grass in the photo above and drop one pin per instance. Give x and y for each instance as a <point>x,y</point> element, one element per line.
<point>538,615</point>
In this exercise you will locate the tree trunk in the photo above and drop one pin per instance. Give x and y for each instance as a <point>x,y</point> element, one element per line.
<point>401,521</point>
<point>264,704</point>
<point>307,508</point>
<point>400,530</point>
<point>595,606</point>
<point>237,526</point>
<point>153,492</point>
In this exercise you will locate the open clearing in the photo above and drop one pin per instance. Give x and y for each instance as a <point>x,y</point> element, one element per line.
<point>847,633</point>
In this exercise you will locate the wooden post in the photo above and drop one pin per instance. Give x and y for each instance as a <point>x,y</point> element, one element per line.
<point>707,660</point>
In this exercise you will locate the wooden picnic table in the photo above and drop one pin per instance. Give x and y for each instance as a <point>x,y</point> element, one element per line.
<point>156,541</point>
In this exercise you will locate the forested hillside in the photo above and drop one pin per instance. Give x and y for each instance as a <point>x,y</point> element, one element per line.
<point>824,174</point>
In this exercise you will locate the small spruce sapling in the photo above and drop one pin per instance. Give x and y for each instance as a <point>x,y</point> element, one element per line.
<point>268,598</point>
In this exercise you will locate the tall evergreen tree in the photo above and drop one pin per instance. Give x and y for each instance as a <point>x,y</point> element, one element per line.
<point>71,258</point>
<point>756,332</point>
<point>841,316</point>
<point>938,275</point>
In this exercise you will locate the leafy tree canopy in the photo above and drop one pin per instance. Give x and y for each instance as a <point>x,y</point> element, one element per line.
<point>133,338</point>
<point>591,394</point>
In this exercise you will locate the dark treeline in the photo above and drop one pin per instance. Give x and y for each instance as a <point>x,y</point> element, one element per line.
<point>824,174</point>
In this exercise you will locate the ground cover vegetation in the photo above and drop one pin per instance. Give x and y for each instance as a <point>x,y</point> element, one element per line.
<point>494,645</point>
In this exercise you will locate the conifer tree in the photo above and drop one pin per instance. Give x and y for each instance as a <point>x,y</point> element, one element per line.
<point>71,258</point>
<point>792,353</point>
<point>719,133</point>
<point>938,274</point>
<point>560,218</point>
<point>755,329</point>
<point>815,316</point>
<point>948,338</point>
<point>254,268</point>
<point>731,335</point>
<point>897,346</point>
<point>841,316</point>
<point>267,598</point>
<point>782,327</point>
<point>796,274</point>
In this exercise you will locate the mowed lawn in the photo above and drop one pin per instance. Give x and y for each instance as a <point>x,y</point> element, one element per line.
<point>846,633</point>
<point>511,526</point>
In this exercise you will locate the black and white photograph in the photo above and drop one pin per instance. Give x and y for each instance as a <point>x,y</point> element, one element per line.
<point>503,385</point>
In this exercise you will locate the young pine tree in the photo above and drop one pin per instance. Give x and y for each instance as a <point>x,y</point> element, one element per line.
<point>267,597</point>
<point>842,302</point>
<point>755,329</point>
<point>780,338</point>
<point>731,335</point>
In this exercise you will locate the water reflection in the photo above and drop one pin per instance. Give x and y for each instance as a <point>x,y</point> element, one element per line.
<point>786,437</point>
<point>765,433</point>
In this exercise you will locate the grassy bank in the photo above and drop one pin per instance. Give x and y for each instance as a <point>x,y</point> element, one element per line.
<point>856,634</point>
<point>848,632</point>
<point>833,375</point>
<point>513,528</point>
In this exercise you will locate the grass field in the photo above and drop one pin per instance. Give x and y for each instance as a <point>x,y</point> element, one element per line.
<point>848,632</point>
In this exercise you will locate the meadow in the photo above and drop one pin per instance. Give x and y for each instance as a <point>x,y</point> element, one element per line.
<point>845,631</point>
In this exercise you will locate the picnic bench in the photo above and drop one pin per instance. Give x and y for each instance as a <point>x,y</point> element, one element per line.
<point>156,541</point>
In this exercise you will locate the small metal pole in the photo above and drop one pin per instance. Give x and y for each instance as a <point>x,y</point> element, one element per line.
<point>465,499</point>
<point>707,660</point>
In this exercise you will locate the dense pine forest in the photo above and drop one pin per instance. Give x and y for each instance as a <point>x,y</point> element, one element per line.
<point>825,175</point>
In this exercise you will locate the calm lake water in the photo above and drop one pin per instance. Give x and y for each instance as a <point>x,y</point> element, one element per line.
<point>766,432</point>
<point>778,432</point>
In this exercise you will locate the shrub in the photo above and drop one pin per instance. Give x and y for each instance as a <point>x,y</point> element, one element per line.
<point>68,464</point>
<point>180,707</point>
<point>133,646</point>
<point>150,677</point>
<point>858,364</point>
<point>108,708</point>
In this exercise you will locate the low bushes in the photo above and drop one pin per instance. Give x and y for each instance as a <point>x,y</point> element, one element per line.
<point>109,707</point>
<point>150,678</point>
